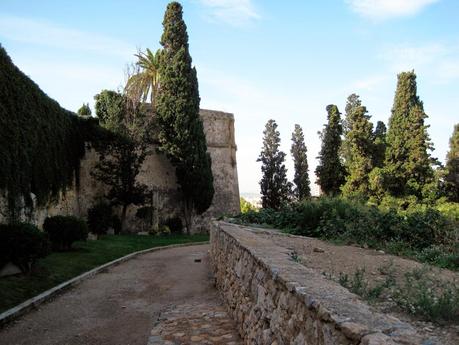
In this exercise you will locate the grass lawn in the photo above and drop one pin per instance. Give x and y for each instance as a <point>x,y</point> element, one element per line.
<point>59,267</point>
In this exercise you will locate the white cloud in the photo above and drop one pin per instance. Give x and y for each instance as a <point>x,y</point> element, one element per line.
<point>43,33</point>
<point>233,12</point>
<point>384,9</point>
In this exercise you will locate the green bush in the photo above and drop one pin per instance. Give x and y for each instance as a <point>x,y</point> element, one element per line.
<point>64,230</point>
<point>175,225</point>
<point>100,218</point>
<point>400,225</point>
<point>22,244</point>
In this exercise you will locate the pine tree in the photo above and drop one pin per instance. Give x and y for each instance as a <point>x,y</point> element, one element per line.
<point>275,189</point>
<point>300,160</point>
<point>379,142</point>
<point>408,162</point>
<point>359,142</point>
<point>452,166</point>
<point>181,132</point>
<point>330,171</point>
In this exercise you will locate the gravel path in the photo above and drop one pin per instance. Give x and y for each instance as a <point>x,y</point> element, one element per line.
<point>123,304</point>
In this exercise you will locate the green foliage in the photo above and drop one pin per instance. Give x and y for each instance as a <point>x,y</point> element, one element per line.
<point>408,162</point>
<point>275,188</point>
<point>379,144</point>
<point>41,143</point>
<point>100,218</point>
<point>122,157</point>
<point>330,171</point>
<point>85,110</point>
<point>246,206</point>
<point>22,244</point>
<point>145,81</point>
<point>452,166</point>
<point>412,231</point>
<point>424,296</point>
<point>300,160</point>
<point>181,132</point>
<point>65,230</point>
<point>359,146</point>
<point>110,109</point>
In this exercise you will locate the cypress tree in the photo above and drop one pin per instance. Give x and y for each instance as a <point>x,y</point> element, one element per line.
<point>379,142</point>
<point>275,189</point>
<point>452,166</point>
<point>330,171</point>
<point>408,162</point>
<point>359,142</point>
<point>181,133</point>
<point>352,103</point>
<point>299,153</point>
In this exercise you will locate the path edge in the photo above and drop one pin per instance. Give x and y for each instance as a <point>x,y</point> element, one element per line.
<point>32,303</point>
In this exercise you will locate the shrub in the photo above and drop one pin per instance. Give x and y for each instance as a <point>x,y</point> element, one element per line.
<point>434,300</point>
<point>175,225</point>
<point>22,244</point>
<point>64,230</point>
<point>100,218</point>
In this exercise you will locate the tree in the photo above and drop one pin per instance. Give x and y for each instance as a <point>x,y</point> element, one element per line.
<point>379,143</point>
<point>122,156</point>
<point>145,81</point>
<point>408,163</point>
<point>452,166</point>
<point>85,110</point>
<point>352,103</point>
<point>180,129</point>
<point>359,143</point>
<point>330,171</point>
<point>300,160</point>
<point>275,189</point>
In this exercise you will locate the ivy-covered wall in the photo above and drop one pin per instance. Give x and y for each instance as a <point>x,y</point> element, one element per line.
<point>41,144</point>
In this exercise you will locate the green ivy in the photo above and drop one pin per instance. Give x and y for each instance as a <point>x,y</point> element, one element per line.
<point>41,144</point>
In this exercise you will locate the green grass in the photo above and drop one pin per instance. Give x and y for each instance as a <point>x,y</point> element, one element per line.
<point>59,267</point>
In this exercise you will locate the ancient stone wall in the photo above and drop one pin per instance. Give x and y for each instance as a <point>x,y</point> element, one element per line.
<point>159,175</point>
<point>277,301</point>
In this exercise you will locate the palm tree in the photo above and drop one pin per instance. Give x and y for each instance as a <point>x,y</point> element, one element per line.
<point>146,81</point>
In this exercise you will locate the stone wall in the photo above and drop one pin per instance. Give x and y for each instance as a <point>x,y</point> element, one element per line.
<point>277,301</point>
<point>159,175</point>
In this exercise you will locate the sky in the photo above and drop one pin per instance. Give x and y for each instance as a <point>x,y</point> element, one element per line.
<point>260,60</point>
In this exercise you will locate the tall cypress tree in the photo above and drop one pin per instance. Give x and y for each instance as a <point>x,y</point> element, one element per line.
<point>379,142</point>
<point>359,142</point>
<point>408,162</point>
<point>353,102</point>
<point>181,132</point>
<point>275,189</point>
<point>330,171</point>
<point>452,166</point>
<point>300,160</point>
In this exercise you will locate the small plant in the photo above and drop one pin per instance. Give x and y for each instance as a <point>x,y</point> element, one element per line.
<point>100,218</point>
<point>433,300</point>
<point>294,256</point>
<point>22,244</point>
<point>64,230</point>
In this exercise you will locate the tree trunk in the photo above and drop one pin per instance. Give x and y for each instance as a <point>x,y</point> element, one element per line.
<point>188,215</point>
<point>123,218</point>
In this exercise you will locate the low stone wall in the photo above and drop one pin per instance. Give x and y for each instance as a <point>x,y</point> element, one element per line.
<point>277,301</point>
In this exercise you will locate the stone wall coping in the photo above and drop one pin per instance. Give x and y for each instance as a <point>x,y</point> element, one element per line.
<point>331,302</point>
<point>32,303</point>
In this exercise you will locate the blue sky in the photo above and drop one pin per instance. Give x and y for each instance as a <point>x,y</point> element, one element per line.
<point>257,59</point>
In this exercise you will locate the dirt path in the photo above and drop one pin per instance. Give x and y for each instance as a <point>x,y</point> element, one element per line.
<point>122,305</point>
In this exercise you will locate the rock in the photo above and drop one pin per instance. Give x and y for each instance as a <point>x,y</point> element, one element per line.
<point>92,237</point>
<point>143,233</point>
<point>9,269</point>
<point>318,250</point>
